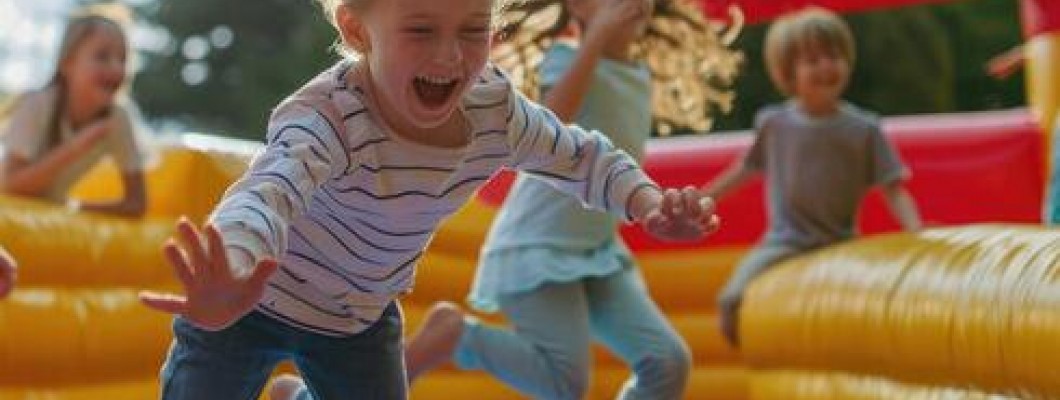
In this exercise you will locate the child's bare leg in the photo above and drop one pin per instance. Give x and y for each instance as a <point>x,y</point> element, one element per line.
<point>436,339</point>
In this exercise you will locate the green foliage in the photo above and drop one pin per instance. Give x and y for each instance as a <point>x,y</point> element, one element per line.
<point>922,59</point>
<point>277,46</point>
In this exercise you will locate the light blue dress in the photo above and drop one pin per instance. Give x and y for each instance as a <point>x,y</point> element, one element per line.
<point>564,279</point>
<point>542,235</point>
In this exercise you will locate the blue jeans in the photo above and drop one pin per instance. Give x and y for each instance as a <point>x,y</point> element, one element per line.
<point>235,363</point>
<point>547,354</point>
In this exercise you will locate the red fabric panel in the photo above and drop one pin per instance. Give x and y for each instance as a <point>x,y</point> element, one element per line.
<point>1040,16</point>
<point>969,167</point>
<point>765,10</point>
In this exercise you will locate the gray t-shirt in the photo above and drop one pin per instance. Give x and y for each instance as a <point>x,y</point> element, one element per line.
<point>818,170</point>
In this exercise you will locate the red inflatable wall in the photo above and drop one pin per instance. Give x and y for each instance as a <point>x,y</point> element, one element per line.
<point>1040,16</point>
<point>968,167</point>
<point>764,10</point>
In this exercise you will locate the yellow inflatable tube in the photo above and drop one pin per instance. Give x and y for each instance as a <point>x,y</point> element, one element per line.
<point>74,329</point>
<point>964,307</point>
<point>889,317</point>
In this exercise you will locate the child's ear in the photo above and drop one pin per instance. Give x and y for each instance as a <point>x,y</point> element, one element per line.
<point>352,29</point>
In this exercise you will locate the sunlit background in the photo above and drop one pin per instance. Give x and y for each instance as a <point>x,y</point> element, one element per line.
<point>218,67</point>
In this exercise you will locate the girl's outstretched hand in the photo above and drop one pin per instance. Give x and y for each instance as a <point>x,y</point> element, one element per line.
<point>214,296</point>
<point>682,215</point>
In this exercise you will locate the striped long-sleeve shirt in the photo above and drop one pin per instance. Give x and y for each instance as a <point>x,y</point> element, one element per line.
<point>348,208</point>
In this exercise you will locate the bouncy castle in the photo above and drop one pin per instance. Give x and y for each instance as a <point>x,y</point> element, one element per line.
<point>966,309</point>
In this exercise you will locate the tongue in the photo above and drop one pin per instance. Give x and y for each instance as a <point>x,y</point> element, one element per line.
<point>432,95</point>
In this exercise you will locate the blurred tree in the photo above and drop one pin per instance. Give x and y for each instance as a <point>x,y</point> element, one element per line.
<point>230,62</point>
<point>923,59</point>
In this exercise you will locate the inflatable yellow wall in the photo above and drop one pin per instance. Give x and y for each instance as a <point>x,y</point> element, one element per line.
<point>951,313</point>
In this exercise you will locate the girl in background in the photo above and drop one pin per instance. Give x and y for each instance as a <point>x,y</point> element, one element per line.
<point>55,135</point>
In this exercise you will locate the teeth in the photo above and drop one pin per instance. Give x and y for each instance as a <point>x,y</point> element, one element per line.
<point>436,80</point>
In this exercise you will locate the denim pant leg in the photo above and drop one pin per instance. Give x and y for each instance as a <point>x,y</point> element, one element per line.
<point>546,354</point>
<point>625,319</point>
<point>230,364</point>
<point>369,365</point>
<point>760,260</point>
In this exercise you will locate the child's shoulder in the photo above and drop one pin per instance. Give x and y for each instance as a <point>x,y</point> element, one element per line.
<point>491,87</point>
<point>769,113</point>
<point>321,88</point>
<point>329,96</point>
<point>40,99</point>
<point>860,117</point>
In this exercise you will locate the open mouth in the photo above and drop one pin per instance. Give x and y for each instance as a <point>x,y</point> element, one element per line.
<point>434,91</point>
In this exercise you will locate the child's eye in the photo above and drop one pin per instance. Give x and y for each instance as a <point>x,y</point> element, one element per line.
<point>476,33</point>
<point>419,30</point>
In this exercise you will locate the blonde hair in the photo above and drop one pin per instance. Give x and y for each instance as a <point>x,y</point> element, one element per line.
<point>813,27</point>
<point>330,7</point>
<point>690,59</point>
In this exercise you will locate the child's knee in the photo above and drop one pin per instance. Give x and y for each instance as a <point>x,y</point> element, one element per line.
<point>570,385</point>
<point>665,370</point>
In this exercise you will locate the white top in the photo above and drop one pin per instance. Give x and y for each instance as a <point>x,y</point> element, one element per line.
<point>26,133</point>
<point>348,207</point>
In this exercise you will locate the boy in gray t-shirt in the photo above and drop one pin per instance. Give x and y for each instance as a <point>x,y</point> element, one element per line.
<point>820,155</point>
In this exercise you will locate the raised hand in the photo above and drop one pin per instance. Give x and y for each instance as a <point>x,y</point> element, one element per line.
<point>214,296</point>
<point>616,18</point>
<point>682,215</point>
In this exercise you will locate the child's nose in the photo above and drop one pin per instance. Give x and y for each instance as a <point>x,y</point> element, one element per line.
<point>449,53</point>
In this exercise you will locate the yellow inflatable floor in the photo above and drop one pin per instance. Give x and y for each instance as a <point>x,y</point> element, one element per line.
<point>838,324</point>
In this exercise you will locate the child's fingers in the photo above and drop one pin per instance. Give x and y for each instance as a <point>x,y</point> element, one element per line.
<point>179,263</point>
<point>262,272</point>
<point>169,303</point>
<point>708,205</point>
<point>690,199</point>
<point>713,224</point>
<point>218,258</point>
<point>671,203</point>
<point>194,247</point>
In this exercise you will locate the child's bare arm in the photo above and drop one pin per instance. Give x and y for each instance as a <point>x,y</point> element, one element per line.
<point>587,166</point>
<point>903,206</point>
<point>224,270</point>
<point>132,204</point>
<point>33,177</point>
<point>565,96</point>
<point>733,177</point>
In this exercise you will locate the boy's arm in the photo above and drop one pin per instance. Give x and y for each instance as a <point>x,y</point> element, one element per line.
<point>903,206</point>
<point>733,177</point>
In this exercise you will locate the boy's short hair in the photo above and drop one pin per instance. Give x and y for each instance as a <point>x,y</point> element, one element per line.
<point>795,32</point>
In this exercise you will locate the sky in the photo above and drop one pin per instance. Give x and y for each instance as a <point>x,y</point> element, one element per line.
<point>29,40</point>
